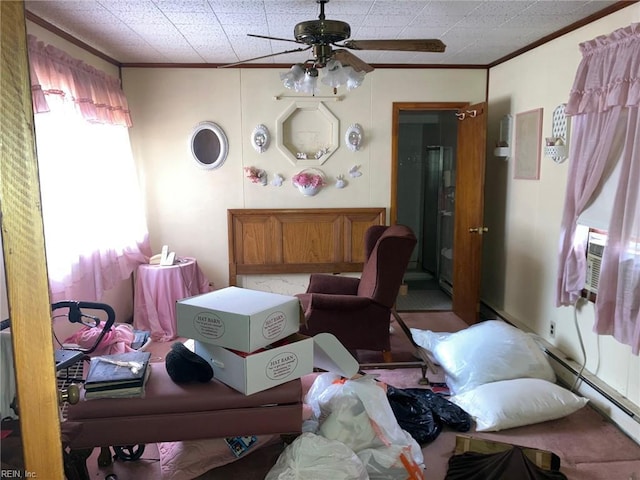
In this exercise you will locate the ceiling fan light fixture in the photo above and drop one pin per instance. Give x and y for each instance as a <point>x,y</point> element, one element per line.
<point>309,83</point>
<point>354,79</point>
<point>305,79</point>
<point>335,74</point>
<point>293,76</point>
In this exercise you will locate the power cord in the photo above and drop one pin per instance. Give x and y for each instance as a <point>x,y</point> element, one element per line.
<point>584,353</point>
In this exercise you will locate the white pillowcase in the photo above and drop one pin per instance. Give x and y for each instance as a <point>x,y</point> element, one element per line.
<point>486,352</point>
<point>514,403</point>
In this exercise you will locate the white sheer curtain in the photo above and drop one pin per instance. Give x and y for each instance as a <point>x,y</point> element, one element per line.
<point>94,223</point>
<point>605,105</point>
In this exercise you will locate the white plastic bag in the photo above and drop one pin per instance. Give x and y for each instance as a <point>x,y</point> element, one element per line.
<point>314,457</point>
<point>322,389</point>
<point>357,413</point>
<point>386,464</point>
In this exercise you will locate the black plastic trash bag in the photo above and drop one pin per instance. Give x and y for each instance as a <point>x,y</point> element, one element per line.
<point>423,413</point>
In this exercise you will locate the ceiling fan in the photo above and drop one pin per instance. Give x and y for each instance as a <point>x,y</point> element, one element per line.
<point>322,35</point>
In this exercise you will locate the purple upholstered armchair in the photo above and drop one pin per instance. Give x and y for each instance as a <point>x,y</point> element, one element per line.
<point>357,310</point>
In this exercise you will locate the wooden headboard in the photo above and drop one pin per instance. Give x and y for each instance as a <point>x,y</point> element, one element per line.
<point>305,240</point>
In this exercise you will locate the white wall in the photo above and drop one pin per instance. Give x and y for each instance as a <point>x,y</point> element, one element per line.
<point>523,216</point>
<point>187,206</point>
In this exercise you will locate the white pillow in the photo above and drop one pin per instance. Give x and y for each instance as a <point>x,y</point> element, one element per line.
<point>514,403</point>
<point>489,351</point>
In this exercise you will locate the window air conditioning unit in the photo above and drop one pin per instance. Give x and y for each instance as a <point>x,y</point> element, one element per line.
<point>595,250</point>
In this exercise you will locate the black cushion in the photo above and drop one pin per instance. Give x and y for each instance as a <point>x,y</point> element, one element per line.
<point>184,366</point>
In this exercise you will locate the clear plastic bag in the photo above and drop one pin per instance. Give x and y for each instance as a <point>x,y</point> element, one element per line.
<point>357,413</point>
<point>314,457</point>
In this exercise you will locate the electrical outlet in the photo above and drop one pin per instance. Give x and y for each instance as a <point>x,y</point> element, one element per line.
<point>552,329</point>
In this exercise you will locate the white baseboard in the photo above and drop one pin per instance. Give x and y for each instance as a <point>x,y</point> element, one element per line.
<point>610,403</point>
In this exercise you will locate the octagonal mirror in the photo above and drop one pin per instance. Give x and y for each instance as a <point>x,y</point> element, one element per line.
<point>208,145</point>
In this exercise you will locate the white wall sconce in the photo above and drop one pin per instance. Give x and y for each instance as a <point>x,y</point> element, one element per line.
<point>260,138</point>
<point>503,145</point>
<point>557,145</point>
<point>354,136</point>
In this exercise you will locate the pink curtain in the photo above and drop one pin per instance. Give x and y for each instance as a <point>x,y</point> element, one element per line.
<point>97,96</point>
<point>605,105</point>
<point>92,207</point>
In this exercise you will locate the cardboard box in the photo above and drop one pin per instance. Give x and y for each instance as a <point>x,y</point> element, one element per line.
<point>288,359</point>
<point>238,318</point>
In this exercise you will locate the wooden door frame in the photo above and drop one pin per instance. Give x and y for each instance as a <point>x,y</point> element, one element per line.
<point>25,260</point>
<point>399,107</point>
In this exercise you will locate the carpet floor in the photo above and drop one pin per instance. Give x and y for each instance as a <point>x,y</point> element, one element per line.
<point>589,446</point>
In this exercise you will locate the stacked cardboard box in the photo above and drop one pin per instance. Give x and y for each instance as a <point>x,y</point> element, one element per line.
<point>251,339</point>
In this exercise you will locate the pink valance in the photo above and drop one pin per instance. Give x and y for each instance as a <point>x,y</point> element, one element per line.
<point>608,73</point>
<point>98,96</point>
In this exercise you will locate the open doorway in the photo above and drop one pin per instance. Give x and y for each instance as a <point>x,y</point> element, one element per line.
<point>469,155</point>
<point>425,193</point>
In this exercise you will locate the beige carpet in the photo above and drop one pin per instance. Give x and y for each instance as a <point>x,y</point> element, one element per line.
<point>589,447</point>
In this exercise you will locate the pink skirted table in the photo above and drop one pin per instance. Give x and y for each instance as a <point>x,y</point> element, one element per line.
<point>157,290</point>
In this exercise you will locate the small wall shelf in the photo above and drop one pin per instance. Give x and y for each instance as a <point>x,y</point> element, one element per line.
<point>503,146</point>
<point>307,133</point>
<point>557,145</point>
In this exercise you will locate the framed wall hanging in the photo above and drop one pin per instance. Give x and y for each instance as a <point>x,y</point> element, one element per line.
<point>528,144</point>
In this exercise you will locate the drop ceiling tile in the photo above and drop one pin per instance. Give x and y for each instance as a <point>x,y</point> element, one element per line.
<point>340,8</point>
<point>253,19</point>
<point>449,7</point>
<point>183,6</point>
<point>396,7</point>
<point>308,10</point>
<point>127,6</point>
<point>236,6</point>
<point>147,17</point>
<point>386,20</point>
<point>190,18</point>
<point>243,30</point>
<point>436,20</point>
<point>204,30</point>
<point>487,21</point>
<point>421,32</point>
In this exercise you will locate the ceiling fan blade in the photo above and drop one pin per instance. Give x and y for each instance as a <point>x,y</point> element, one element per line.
<point>347,58</point>
<point>264,56</point>
<point>416,45</point>
<point>273,38</point>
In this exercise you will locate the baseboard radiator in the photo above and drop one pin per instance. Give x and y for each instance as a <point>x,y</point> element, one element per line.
<point>611,404</point>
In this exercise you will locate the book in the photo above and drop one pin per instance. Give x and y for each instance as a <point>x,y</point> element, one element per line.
<point>108,373</point>
<point>119,391</point>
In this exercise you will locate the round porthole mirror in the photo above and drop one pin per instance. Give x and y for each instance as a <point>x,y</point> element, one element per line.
<point>209,145</point>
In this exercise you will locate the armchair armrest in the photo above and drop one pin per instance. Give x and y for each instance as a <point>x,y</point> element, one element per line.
<point>323,301</point>
<point>333,284</point>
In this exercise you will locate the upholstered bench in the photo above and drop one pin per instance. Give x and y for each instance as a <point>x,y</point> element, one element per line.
<point>171,412</point>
